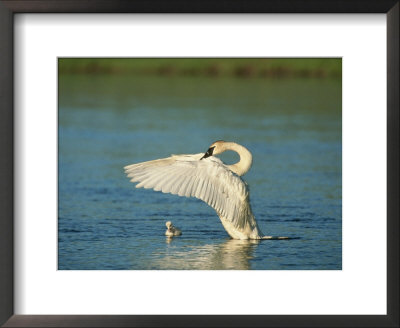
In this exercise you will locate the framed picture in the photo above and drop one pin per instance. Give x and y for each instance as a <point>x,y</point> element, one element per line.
<point>84,96</point>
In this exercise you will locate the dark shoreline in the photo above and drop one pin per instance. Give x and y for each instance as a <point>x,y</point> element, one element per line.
<point>206,67</point>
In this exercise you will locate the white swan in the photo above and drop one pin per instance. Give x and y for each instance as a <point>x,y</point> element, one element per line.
<point>171,230</point>
<point>206,177</point>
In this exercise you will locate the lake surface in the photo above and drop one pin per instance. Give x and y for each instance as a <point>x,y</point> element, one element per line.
<point>291,126</point>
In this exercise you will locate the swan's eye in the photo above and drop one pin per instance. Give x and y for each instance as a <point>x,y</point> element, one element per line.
<point>208,153</point>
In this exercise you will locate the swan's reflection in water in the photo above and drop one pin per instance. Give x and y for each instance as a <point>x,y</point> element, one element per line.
<point>230,254</point>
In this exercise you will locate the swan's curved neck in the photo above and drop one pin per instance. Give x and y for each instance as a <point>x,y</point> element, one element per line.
<point>244,164</point>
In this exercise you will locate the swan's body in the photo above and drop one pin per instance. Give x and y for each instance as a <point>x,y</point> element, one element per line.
<point>206,177</point>
<point>171,230</point>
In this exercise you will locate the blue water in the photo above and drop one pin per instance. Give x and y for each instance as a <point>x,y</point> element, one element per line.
<point>291,126</point>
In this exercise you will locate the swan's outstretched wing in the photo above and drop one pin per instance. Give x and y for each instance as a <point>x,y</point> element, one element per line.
<point>208,179</point>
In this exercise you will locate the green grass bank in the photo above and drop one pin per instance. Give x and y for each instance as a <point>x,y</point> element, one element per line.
<point>212,67</point>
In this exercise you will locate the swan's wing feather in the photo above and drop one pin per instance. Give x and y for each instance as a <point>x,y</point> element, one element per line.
<point>186,175</point>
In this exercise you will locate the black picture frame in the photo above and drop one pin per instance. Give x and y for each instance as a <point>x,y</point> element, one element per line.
<point>11,7</point>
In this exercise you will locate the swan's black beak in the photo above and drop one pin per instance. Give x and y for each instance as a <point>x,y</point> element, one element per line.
<point>208,153</point>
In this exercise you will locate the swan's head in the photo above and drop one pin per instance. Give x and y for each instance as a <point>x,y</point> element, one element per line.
<point>168,224</point>
<point>216,148</point>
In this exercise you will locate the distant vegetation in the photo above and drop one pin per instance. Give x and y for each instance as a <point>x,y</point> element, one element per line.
<point>211,67</point>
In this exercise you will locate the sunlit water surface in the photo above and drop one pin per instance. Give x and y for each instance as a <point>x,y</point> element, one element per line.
<point>292,128</point>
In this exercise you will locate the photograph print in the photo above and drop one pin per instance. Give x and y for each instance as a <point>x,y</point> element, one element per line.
<point>199,163</point>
